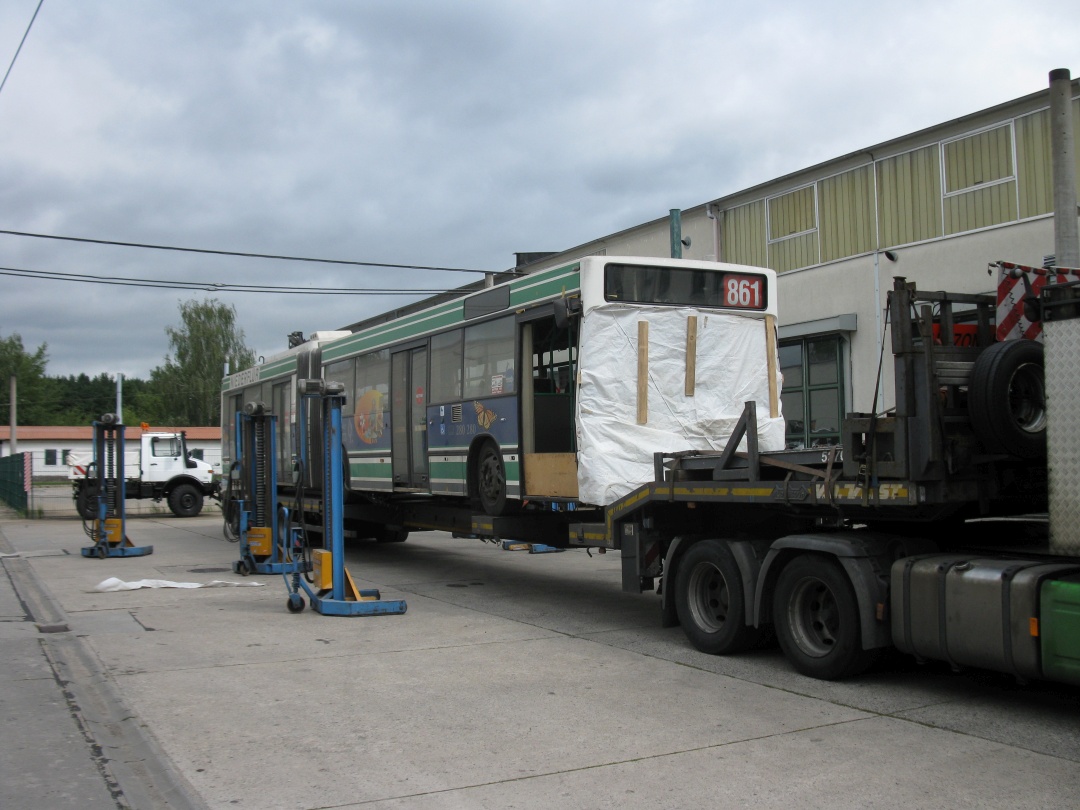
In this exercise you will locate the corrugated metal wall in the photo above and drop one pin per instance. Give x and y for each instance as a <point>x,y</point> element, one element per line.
<point>743,234</point>
<point>994,176</point>
<point>1035,187</point>
<point>847,214</point>
<point>909,197</point>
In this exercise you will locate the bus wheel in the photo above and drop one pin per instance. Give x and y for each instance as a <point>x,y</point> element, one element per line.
<point>709,600</point>
<point>391,534</point>
<point>491,480</point>
<point>86,502</point>
<point>817,619</point>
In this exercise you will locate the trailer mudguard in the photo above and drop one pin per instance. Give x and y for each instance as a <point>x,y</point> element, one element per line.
<point>743,551</point>
<point>865,557</point>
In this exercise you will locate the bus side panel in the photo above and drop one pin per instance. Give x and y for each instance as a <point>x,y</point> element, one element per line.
<point>454,428</point>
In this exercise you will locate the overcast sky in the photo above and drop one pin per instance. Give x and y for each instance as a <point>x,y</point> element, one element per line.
<point>431,133</point>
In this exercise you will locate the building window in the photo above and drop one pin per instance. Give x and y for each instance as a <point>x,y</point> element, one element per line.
<point>793,235</point>
<point>65,457</point>
<point>812,395</point>
<point>980,182</point>
<point>50,458</point>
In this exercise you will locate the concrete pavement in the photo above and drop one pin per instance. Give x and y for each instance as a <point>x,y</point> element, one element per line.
<point>514,680</point>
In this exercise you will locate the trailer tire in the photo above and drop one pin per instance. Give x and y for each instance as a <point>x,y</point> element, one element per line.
<point>816,616</point>
<point>185,500</point>
<point>710,600</point>
<point>1007,399</point>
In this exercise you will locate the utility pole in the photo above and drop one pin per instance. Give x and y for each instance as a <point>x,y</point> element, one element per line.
<point>1063,168</point>
<point>14,420</point>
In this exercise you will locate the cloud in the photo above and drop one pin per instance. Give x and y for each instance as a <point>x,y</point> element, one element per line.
<point>431,133</point>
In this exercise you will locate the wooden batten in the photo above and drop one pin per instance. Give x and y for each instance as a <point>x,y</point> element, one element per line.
<point>691,355</point>
<point>643,372</point>
<point>770,352</point>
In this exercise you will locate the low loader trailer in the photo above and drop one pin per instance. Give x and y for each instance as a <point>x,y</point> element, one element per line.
<point>943,527</point>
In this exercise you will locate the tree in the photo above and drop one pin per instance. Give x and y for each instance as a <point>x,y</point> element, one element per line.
<point>188,385</point>
<point>29,371</point>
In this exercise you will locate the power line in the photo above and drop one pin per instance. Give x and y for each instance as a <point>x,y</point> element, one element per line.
<point>245,255</point>
<point>210,286</point>
<point>19,49</point>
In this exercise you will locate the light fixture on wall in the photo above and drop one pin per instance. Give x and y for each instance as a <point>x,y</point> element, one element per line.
<point>891,256</point>
<point>685,241</point>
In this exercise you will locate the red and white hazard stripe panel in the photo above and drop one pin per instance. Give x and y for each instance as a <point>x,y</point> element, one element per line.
<point>1015,283</point>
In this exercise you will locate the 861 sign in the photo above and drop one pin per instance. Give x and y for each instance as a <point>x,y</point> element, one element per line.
<point>744,292</point>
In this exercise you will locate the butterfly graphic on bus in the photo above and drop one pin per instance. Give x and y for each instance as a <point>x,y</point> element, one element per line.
<point>485,417</point>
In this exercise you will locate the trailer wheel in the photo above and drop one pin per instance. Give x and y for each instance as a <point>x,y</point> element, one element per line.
<point>491,480</point>
<point>709,600</point>
<point>185,501</point>
<point>1007,399</point>
<point>817,619</point>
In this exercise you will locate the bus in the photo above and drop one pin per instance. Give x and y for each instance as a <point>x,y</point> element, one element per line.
<point>551,390</point>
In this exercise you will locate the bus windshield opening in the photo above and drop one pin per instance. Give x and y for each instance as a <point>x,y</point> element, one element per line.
<point>676,286</point>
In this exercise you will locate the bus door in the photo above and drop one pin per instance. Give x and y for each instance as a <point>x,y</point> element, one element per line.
<point>408,417</point>
<point>548,369</point>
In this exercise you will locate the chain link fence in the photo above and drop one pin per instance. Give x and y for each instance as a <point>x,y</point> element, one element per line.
<point>40,496</point>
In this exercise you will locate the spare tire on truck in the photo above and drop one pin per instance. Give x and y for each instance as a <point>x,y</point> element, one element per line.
<point>1007,399</point>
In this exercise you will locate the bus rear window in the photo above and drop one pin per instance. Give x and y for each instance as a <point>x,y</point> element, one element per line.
<point>679,286</point>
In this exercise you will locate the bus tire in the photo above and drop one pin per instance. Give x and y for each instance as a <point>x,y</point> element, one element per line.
<point>391,534</point>
<point>1007,399</point>
<point>185,500</point>
<point>816,617</point>
<point>491,480</point>
<point>86,502</point>
<point>710,600</point>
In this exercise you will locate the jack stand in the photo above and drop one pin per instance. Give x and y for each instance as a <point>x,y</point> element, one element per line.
<point>109,527</point>
<point>333,592</point>
<point>263,549</point>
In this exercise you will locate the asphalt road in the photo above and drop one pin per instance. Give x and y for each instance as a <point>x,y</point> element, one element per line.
<point>513,680</point>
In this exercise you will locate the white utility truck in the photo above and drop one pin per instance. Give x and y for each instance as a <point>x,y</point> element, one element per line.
<point>159,468</point>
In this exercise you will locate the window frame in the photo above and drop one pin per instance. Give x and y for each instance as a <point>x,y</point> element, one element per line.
<point>806,438</point>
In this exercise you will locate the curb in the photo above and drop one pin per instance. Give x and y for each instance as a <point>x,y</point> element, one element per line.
<point>144,774</point>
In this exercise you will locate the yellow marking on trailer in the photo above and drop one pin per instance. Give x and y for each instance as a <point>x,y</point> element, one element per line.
<point>884,492</point>
<point>723,492</point>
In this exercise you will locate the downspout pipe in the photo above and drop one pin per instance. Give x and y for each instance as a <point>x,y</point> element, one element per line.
<point>675,226</point>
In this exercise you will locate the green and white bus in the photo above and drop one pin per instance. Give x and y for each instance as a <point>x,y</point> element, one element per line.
<point>552,388</point>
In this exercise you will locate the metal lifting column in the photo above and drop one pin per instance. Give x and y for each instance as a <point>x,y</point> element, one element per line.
<point>267,546</point>
<point>336,594</point>
<point>109,527</point>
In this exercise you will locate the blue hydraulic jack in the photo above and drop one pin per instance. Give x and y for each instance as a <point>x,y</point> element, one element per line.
<point>108,529</point>
<point>267,546</point>
<point>333,592</point>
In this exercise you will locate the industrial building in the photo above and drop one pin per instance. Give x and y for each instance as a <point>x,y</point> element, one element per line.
<point>935,206</point>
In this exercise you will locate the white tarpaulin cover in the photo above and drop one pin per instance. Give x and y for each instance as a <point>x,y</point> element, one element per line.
<point>115,584</point>
<point>615,454</point>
